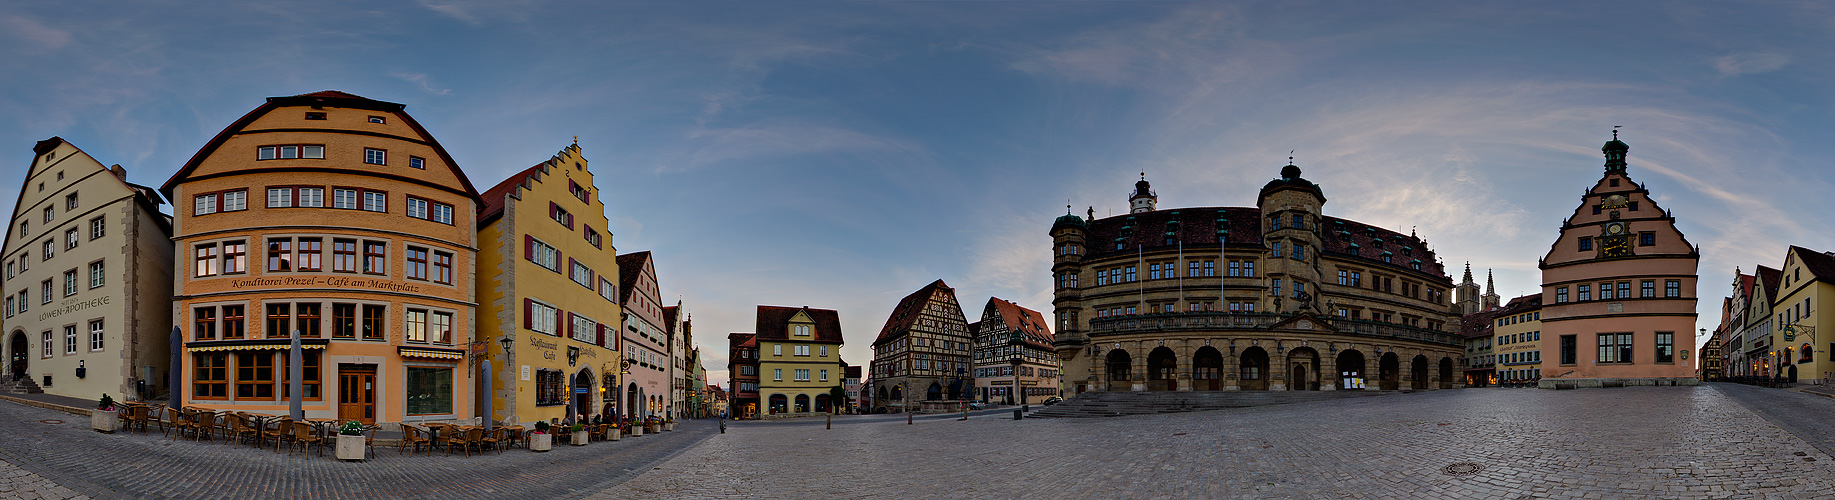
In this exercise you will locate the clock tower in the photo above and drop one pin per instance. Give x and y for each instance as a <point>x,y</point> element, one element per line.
<point>1618,289</point>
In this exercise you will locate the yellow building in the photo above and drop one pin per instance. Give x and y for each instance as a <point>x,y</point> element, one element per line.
<point>1517,331</point>
<point>799,359</point>
<point>548,293</point>
<point>1808,278</point>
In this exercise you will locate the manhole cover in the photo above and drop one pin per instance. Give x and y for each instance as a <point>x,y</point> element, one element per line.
<point>52,421</point>
<point>1462,469</point>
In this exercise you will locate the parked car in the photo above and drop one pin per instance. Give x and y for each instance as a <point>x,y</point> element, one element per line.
<point>975,405</point>
<point>1053,400</point>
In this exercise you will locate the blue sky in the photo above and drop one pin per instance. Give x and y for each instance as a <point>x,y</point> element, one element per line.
<point>841,155</point>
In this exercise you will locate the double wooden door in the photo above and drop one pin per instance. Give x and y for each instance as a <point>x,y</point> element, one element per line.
<point>357,393</point>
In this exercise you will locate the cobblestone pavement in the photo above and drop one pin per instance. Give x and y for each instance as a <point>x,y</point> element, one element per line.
<point>1636,442</point>
<point>51,454</point>
<point>1806,415</point>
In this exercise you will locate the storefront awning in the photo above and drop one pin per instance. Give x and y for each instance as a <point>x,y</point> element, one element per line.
<point>253,345</point>
<point>434,353</point>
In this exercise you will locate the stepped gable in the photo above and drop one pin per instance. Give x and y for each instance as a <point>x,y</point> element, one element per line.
<point>493,197</point>
<point>1026,321</point>
<point>908,310</point>
<point>774,323</point>
<point>1821,265</point>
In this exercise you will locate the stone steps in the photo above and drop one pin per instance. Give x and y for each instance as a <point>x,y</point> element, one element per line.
<point>23,385</point>
<point>1115,404</point>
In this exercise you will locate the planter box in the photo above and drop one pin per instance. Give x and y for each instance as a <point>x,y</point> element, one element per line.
<point>580,437</point>
<point>350,447</point>
<point>615,434</point>
<point>103,421</point>
<point>669,427</point>
<point>637,430</point>
<point>541,442</point>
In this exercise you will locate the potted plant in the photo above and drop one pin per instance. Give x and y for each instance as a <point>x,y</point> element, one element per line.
<point>541,440</point>
<point>615,432</point>
<point>351,441</point>
<point>637,428</point>
<point>579,434</point>
<point>669,424</point>
<point>103,418</point>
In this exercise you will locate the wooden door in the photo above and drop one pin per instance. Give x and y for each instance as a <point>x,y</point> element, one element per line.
<point>357,393</point>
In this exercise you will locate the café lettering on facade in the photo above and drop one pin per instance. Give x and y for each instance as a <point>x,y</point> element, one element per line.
<point>342,219</point>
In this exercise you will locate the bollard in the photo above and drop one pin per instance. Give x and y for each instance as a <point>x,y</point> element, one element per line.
<point>1026,408</point>
<point>964,412</point>
<point>723,426</point>
<point>908,418</point>
<point>1017,415</point>
<point>831,421</point>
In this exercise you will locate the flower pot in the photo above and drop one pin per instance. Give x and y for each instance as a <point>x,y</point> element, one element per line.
<point>541,442</point>
<point>350,447</point>
<point>669,427</point>
<point>580,437</point>
<point>103,420</point>
<point>614,434</point>
<point>637,430</point>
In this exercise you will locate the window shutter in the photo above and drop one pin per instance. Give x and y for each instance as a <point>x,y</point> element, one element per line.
<point>557,260</point>
<point>601,335</point>
<point>528,247</point>
<point>528,313</point>
<point>561,316</point>
<point>553,210</point>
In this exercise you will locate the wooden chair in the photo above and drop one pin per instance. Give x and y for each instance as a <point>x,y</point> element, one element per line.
<point>369,440</point>
<point>204,425</point>
<point>494,439</point>
<point>412,438</point>
<point>513,434</point>
<point>177,421</point>
<point>562,432</point>
<point>136,415</point>
<point>156,415</point>
<point>282,432</point>
<point>440,435</point>
<point>458,437</point>
<point>307,435</point>
<point>239,429</point>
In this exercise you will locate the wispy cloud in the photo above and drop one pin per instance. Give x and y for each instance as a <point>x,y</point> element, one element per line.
<point>34,37</point>
<point>1747,63</point>
<point>420,79</point>
<point>777,139</point>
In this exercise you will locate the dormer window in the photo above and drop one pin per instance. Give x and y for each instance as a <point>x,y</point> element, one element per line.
<point>377,119</point>
<point>800,330</point>
<point>310,115</point>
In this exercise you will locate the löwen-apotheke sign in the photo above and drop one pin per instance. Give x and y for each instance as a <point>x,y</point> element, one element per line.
<point>326,281</point>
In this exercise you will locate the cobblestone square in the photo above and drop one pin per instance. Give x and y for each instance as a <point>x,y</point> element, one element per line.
<point>1640,442</point>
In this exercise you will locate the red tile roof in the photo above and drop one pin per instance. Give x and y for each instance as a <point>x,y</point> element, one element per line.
<point>908,311</point>
<point>493,197</point>
<point>1478,324</point>
<point>1025,321</point>
<point>1770,277</point>
<point>630,266</point>
<point>774,323</point>
<point>1241,227</point>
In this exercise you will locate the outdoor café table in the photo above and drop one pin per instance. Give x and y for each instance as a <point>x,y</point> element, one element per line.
<point>261,421</point>
<point>327,426</point>
<point>437,434</point>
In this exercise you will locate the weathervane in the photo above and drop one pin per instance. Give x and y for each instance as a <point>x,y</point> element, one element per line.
<point>1615,131</point>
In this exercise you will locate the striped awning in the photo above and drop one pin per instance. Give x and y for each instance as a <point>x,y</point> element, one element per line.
<point>430,353</point>
<point>252,345</point>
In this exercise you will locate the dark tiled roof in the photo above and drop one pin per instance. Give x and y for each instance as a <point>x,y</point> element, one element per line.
<point>630,265</point>
<point>1821,265</point>
<point>669,313</point>
<point>493,197</point>
<point>853,371</point>
<point>908,310</point>
<point>742,340</point>
<point>1477,324</point>
<point>1525,303</point>
<point>774,323</point>
<point>1770,278</point>
<point>1241,227</point>
<point>1019,319</point>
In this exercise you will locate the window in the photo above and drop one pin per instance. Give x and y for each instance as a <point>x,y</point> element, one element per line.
<point>777,374</point>
<point>280,254</point>
<point>309,379</point>
<point>560,215</point>
<point>543,318</point>
<point>44,292</point>
<point>1647,289</point>
<point>255,375</point>
<point>1585,291</point>
<point>1131,276</point>
<point>1561,295</point>
<point>96,336</point>
<point>1586,243</point>
<point>1299,221</point>
<point>1646,238</point>
<point>375,257</point>
<point>1102,277</point>
<point>577,191</point>
<point>204,204</point>
<point>280,197</point>
<point>1274,222</point>
<point>344,255</point>
<point>375,156</point>
<point>235,257</point>
<point>97,228</point>
<point>429,390</point>
<point>70,238</point>
<point>1356,278</point>
<point>210,375</point>
<point>1624,289</point>
<point>442,213</point>
<point>416,326</point>
<point>70,283</point>
<point>69,201</point>
<point>314,115</point>
<point>416,264</point>
<point>377,119</point>
<point>50,213</point>
<point>1153,271</point>
<point>1299,252</point>
<point>417,208</point>
<point>311,255</point>
<point>1344,277</point>
<point>1615,348</point>
<point>344,198</point>
<point>344,321</point>
<point>824,375</point>
<point>69,339</point>
<point>580,274</point>
<point>310,197</point>
<point>233,322</point>
<point>9,306</point>
<point>1666,347</point>
<point>802,350</point>
<point>25,228</point>
<point>441,329</point>
<point>417,162</point>
<point>1275,248</point>
<point>608,290</point>
<point>1672,288</point>
<point>1568,349</point>
<point>204,323</point>
<point>802,375</point>
<point>50,249</point>
<point>1248,269</point>
<point>373,321</point>
<point>235,200</point>
<point>583,329</point>
<point>777,349</point>
<point>374,201</point>
<point>1299,289</point>
<point>442,267</point>
<point>290,152</point>
<point>824,351</point>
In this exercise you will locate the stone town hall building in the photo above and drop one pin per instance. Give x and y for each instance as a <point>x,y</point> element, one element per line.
<point>1278,296</point>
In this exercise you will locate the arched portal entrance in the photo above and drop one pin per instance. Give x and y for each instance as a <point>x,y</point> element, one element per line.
<point>583,392</point>
<point>1303,369</point>
<point>16,348</point>
<point>1389,372</point>
<point>1350,369</point>
<point>802,403</point>
<point>1120,364</point>
<point>633,403</point>
<point>822,403</point>
<point>1791,373</point>
<point>1417,373</point>
<point>779,404</point>
<point>935,392</point>
<point>1253,373</point>
<point>898,394</point>
<point>1207,370</point>
<point>1162,370</point>
<point>1446,373</point>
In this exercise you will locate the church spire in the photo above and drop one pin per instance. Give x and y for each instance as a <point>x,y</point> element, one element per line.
<point>1468,272</point>
<point>1490,285</point>
<point>1491,299</point>
<point>1143,199</point>
<point>1615,153</point>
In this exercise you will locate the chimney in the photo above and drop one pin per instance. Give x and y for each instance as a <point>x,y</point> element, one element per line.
<point>120,173</point>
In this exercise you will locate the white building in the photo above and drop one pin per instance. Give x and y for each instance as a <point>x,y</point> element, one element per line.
<point>88,280</point>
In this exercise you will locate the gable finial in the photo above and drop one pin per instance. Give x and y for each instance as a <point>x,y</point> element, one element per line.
<point>576,140</point>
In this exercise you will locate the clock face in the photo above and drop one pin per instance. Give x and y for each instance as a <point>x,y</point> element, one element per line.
<point>1616,228</point>
<point>1613,247</point>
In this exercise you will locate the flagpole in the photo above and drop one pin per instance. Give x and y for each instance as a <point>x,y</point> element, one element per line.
<point>1175,270</point>
<point>1140,288</point>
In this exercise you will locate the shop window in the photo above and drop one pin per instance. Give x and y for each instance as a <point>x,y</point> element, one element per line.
<point>429,391</point>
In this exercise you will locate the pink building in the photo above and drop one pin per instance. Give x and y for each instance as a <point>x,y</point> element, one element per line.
<point>1618,290</point>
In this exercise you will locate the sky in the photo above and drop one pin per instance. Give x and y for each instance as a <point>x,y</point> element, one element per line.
<point>841,155</point>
